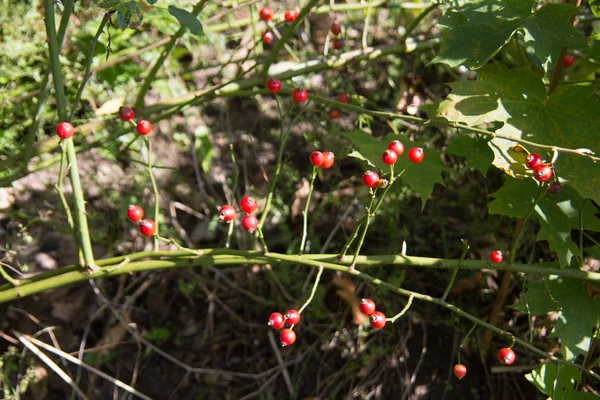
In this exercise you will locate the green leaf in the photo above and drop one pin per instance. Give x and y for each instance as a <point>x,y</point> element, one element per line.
<point>475,31</point>
<point>514,198</point>
<point>567,118</point>
<point>156,334</point>
<point>475,149</point>
<point>579,314</point>
<point>187,20</point>
<point>561,385</point>
<point>593,251</point>
<point>595,35</point>
<point>538,300</point>
<point>152,2</point>
<point>109,3</point>
<point>595,7</point>
<point>129,15</point>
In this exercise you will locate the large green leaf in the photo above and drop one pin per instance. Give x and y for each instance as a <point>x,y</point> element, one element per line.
<point>514,198</point>
<point>473,32</point>
<point>129,15</point>
<point>538,300</point>
<point>560,385</point>
<point>475,149</point>
<point>568,118</point>
<point>420,177</point>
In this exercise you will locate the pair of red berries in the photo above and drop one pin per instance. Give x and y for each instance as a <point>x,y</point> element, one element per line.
<point>496,256</point>
<point>506,356</point>
<point>135,213</point>
<point>300,95</point>
<point>324,160</point>
<point>143,126</point>
<point>248,205</point>
<point>266,14</point>
<point>335,114</point>
<point>541,171</point>
<point>277,321</point>
<point>376,318</point>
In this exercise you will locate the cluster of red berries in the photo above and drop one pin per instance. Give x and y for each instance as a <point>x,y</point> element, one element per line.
<point>248,205</point>
<point>266,14</point>
<point>390,157</point>
<point>300,95</point>
<point>376,318</point>
<point>342,98</point>
<point>324,160</point>
<point>143,126</point>
<point>135,213</point>
<point>335,30</point>
<point>277,321</point>
<point>506,356</point>
<point>541,170</point>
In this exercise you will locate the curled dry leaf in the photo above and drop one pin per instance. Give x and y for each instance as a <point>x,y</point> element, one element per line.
<point>467,284</point>
<point>347,292</point>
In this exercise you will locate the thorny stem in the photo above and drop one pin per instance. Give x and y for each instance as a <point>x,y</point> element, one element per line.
<point>404,310</point>
<point>154,191</point>
<point>305,212</point>
<point>455,270</point>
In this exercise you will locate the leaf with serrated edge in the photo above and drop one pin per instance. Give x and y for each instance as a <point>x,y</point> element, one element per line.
<point>475,149</point>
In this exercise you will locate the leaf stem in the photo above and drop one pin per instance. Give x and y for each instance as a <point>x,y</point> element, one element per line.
<point>404,310</point>
<point>154,192</point>
<point>455,270</point>
<point>305,212</point>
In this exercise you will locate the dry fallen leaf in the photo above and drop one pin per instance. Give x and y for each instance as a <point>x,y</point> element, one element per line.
<point>346,291</point>
<point>110,107</point>
<point>467,284</point>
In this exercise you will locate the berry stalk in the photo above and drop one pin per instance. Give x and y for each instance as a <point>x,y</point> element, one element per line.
<point>404,310</point>
<point>305,212</point>
<point>236,175</point>
<point>154,191</point>
<point>455,270</point>
<point>313,291</point>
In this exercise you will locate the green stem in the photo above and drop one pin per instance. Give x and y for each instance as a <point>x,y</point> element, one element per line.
<point>139,100</point>
<point>154,191</point>
<point>353,236</point>
<point>403,311</point>
<point>305,212</point>
<point>313,291</point>
<point>262,240</point>
<point>410,28</point>
<point>464,341</point>
<point>232,200</point>
<point>455,270</point>
<point>5,275</point>
<point>365,229</point>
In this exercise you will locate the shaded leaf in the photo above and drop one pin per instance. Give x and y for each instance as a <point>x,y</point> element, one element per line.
<point>475,149</point>
<point>561,385</point>
<point>187,20</point>
<point>514,198</point>
<point>109,3</point>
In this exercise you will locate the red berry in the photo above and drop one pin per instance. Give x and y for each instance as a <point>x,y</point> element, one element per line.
<point>126,114</point>
<point>276,321</point>
<point>147,227</point>
<point>335,28</point>
<point>554,187</point>
<point>299,95</point>
<point>333,114</point>
<point>542,172</point>
<point>370,179</point>
<point>135,213</point>
<point>533,160</point>
<point>460,371</point>
<point>273,85</point>
<point>328,159</point>
<point>496,256</point>
<point>568,60</point>
<point>248,204</point>
<point>506,356</point>
<point>317,158</point>
<point>287,337</point>
<point>267,37</point>
<point>367,306</point>
<point>226,213</point>
<point>377,320</point>
<point>389,157</point>
<point>144,127</point>
<point>415,154</point>
<point>397,147</point>
<point>338,44</point>
<point>291,317</point>
<point>249,223</point>
<point>290,16</point>
<point>65,130</point>
<point>266,14</point>
<point>343,98</point>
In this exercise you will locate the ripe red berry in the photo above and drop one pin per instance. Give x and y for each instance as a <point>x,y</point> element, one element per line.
<point>416,154</point>
<point>333,114</point>
<point>533,160</point>
<point>299,95</point>
<point>367,306</point>
<point>287,337</point>
<point>328,159</point>
<point>496,256</point>
<point>126,114</point>
<point>267,37</point>
<point>542,172</point>
<point>370,179</point>
<point>249,223</point>
<point>226,213</point>
<point>506,356</point>
<point>147,227</point>
<point>65,130</point>
<point>317,158</point>
<point>291,317</point>
<point>266,14</point>
<point>569,60</point>
<point>343,98</point>
<point>397,147</point>
<point>248,204</point>
<point>377,320</point>
<point>290,16</point>
<point>276,320</point>
<point>273,85</point>
<point>389,157</point>
<point>135,213</point>
<point>144,127</point>
<point>337,44</point>
<point>335,28</point>
<point>554,187</point>
<point>460,371</point>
